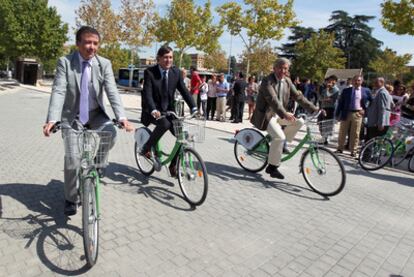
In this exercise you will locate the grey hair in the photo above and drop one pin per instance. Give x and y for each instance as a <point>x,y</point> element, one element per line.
<point>358,76</point>
<point>381,79</point>
<point>280,62</point>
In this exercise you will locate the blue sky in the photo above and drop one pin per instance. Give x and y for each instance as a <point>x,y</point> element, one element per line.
<point>311,13</point>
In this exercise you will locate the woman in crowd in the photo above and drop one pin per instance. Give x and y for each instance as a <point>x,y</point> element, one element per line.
<point>212,97</point>
<point>252,90</point>
<point>399,97</point>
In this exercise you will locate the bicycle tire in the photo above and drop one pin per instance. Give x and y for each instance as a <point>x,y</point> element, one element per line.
<point>398,156</point>
<point>373,155</point>
<point>312,158</point>
<point>191,167</point>
<point>411,162</point>
<point>244,156</point>
<point>146,166</point>
<point>90,222</point>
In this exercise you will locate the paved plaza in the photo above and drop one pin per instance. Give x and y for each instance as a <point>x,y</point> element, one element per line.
<point>250,224</point>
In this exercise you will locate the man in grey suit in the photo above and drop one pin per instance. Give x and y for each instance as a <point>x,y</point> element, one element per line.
<point>379,110</point>
<point>77,94</point>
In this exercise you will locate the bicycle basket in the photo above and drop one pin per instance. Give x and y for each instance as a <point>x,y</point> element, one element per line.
<point>321,130</point>
<point>190,130</point>
<point>86,148</point>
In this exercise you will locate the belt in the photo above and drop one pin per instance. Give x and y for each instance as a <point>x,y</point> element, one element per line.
<point>221,96</point>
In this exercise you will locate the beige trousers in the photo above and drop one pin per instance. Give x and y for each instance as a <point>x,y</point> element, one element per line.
<point>279,136</point>
<point>221,108</point>
<point>353,121</point>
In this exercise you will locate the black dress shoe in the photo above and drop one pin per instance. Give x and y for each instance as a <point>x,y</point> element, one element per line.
<point>338,151</point>
<point>274,172</point>
<point>235,121</point>
<point>70,208</point>
<point>286,151</point>
<point>173,170</point>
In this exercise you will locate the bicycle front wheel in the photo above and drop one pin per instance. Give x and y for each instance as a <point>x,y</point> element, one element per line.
<point>145,165</point>
<point>323,171</point>
<point>252,160</point>
<point>192,177</point>
<point>90,222</point>
<point>376,153</point>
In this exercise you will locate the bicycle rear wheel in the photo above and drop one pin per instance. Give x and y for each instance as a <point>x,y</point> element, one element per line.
<point>323,171</point>
<point>411,162</point>
<point>90,222</point>
<point>252,160</point>
<point>376,153</point>
<point>192,177</point>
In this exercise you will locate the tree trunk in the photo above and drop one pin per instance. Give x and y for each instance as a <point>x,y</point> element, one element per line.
<point>181,57</point>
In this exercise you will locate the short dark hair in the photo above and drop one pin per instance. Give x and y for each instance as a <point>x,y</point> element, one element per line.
<point>332,77</point>
<point>165,49</point>
<point>241,75</point>
<point>86,29</point>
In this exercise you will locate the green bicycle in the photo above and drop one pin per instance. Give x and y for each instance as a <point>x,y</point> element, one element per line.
<point>321,168</point>
<point>191,170</point>
<point>87,150</point>
<point>393,147</point>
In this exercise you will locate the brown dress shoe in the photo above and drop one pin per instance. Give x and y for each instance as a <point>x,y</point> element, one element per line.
<point>173,170</point>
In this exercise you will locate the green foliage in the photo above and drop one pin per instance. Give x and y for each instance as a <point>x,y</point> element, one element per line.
<point>217,61</point>
<point>299,34</point>
<point>316,55</point>
<point>188,25</point>
<point>118,56</point>
<point>389,64</point>
<point>398,17</point>
<point>186,60</point>
<point>261,20</point>
<point>261,58</point>
<point>354,37</point>
<point>31,29</point>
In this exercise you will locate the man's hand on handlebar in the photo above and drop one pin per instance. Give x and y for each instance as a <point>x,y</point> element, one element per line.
<point>323,112</point>
<point>47,128</point>
<point>126,125</point>
<point>156,114</point>
<point>290,117</point>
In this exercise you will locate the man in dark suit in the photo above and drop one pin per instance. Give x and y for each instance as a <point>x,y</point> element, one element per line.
<point>350,111</point>
<point>239,97</point>
<point>160,83</point>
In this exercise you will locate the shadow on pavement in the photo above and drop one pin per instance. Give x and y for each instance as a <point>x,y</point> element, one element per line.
<point>381,174</point>
<point>129,179</point>
<point>226,173</point>
<point>59,245</point>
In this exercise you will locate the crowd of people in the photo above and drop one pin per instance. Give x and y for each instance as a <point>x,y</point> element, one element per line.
<point>363,110</point>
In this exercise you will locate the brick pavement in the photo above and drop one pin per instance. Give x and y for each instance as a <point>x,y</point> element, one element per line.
<point>249,225</point>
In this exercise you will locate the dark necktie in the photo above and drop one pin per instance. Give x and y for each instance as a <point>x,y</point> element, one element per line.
<point>84,94</point>
<point>164,92</point>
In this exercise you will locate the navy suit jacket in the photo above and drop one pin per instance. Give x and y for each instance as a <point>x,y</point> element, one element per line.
<point>344,103</point>
<point>152,96</point>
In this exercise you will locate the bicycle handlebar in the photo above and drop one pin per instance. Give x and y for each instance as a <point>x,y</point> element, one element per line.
<point>167,113</point>
<point>60,125</point>
<point>310,117</point>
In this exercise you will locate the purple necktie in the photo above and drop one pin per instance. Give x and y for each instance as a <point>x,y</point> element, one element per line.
<point>84,94</point>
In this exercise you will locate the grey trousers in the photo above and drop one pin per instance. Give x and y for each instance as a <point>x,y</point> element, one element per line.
<point>71,172</point>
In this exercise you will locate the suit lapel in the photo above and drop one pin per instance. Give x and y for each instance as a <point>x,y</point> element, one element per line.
<point>95,78</point>
<point>76,68</point>
<point>170,79</point>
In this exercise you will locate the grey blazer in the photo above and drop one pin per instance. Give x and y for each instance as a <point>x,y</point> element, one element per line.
<point>378,112</point>
<point>64,101</point>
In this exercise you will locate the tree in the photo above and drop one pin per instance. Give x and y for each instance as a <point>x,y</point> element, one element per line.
<point>137,21</point>
<point>217,61</point>
<point>299,34</point>
<point>118,56</point>
<point>316,55</point>
<point>187,25</point>
<point>389,64</point>
<point>31,29</point>
<point>261,58</point>
<point>185,60</point>
<point>260,20</point>
<point>99,15</point>
<point>354,37</point>
<point>398,17</point>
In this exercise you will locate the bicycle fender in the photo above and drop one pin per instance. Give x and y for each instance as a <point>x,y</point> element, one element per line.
<point>248,137</point>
